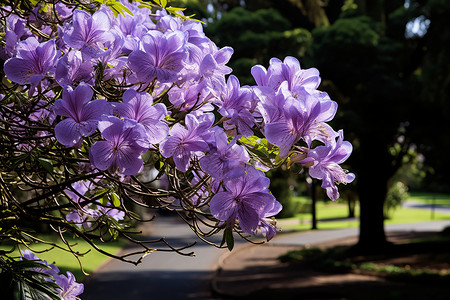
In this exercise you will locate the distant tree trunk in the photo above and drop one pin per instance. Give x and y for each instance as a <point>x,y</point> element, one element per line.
<point>313,205</point>
<point>351,201</point>
<point>371,229</point>
<point>374,171</point>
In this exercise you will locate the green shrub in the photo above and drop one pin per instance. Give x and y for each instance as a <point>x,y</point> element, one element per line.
<point>396,195</point>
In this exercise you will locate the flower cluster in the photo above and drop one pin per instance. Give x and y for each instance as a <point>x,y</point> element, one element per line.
<point>123,96</point>
<point>68,288</point>
<point>174,91</point>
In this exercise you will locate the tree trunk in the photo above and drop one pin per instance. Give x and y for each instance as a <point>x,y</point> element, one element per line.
<point>371,229</point>
<point>351,201</point>
<point>313,205</point>
<point>372,189</point>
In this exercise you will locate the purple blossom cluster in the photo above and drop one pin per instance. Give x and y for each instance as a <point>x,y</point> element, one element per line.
<point>294,115</point>
<point>176,101</point>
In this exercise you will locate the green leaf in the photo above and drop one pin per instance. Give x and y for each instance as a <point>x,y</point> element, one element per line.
<point>163,3</point>
<point>249,140</point>
<point>46,163</point>
<point>172,9</point>
<point>143,5</point>
<point>34,2</point>
<point>229,239</point>
<point>115,199</point>
<point>120,7</point>
<point>104,200</point>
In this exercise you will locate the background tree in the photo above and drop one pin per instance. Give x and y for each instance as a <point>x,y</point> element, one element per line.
<point>385,63</point>
<point>256,37</point>
<point>379,70</point>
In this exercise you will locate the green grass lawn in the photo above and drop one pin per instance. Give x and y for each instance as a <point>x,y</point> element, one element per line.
<point>65,261</point>
<point>327,211</point>
<point>430,198</point>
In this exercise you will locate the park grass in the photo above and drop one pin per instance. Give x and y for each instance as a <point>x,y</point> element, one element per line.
<point>66,261</point>
<point>431,198</point>
<point>334,215</point>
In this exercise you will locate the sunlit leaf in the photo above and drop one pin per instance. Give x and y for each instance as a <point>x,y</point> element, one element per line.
<point>115,199</point>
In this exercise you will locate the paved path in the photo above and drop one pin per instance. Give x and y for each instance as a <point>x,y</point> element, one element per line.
<point>430,207</point>
<point>171,276</point>
<point>321,236</point>
<point>161,275</point>
<point>250,271</point>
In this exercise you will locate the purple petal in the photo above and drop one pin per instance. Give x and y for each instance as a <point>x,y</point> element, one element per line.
<point>83,93</point>
<point>19,70</point>
<point>87,128</point>
<point>248,218</point>
<point>182,159</point>
<point>156,132</point>
<point>223,206</point>
<point>46,54</point>
<point>101,156</point>
<point>259,73</point>
<point>128,163</point>
<point>70,288</point>
<point>280,134</point>
<point>196,145</point>
<point>223,55</point>
<point>76,36</point>
<point>208,65</point>
<point>169,146</point>
<point>143,65</point>
<point>93,110</point>
<point>213,165</point>
<point>101,21</point>
<point>67,132</point>
<point>110,127</point>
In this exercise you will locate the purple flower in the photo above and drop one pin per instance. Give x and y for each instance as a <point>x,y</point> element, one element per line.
<point>64,12</point>
<point>268,225</point>
<point>185,142</point>
<point>53,271</point>
<point>82,114</point>
<point>80,217</point>
<point>83,217</point>
<point>70,289</point>
<point>245,198</point>
<point>213,68</point>
<point>139,107</point>
<point>325,162</point>
<point>189,96</point>
<point>125,141</point>
<point>81,187</point>
<point>161,58</point>
<point>237,105</point>
<point>32,63</point>
<point>225,160</point>
<point>72,68</point>
<point>88,32</point>
<point>303,119</point>
<point>15,31</point>
<point>289,70</point>
<point>111,212</point>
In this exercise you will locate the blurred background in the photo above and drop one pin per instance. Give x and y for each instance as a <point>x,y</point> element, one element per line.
<point>385,63</point>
